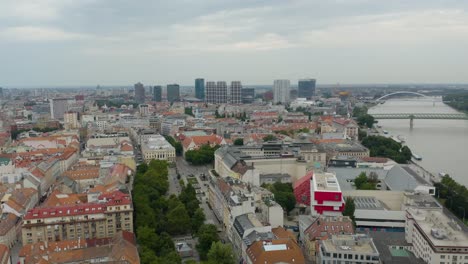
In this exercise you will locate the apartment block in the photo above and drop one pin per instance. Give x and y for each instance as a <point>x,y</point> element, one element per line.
<point>236,96</point>
<point>112,213</point>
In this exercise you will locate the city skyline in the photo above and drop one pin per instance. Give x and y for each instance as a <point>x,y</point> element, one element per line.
<point>253,41</point>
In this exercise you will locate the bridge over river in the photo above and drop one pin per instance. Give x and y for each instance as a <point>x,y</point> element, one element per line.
<point>412,116</point>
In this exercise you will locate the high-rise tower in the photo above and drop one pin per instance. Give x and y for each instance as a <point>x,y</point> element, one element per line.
<point>200,88</point>
<point>306,88</point>
<point>281,91</point>
<point>236,88</point>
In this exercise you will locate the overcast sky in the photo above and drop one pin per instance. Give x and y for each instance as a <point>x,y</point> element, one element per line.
<point>120,42</point>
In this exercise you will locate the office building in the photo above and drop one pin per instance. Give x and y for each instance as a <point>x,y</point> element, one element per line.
<point>325,195</point>
<point>436,236</point>
<point>58,107</point>
<point>216,93</point>
<point>139,93</point>
<point>173,92</point>
<point>200,88</point>
<point>348,249</point>
<point>281,91</point>
<point>247,95</point>
<point>157,93</point>
<point>306,88</point>
<point>236,88</point>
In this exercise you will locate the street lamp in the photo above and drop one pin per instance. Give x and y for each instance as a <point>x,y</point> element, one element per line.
<point>463,213</point>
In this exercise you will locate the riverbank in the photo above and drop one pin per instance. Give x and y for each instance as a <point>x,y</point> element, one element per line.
<point>442,144</point>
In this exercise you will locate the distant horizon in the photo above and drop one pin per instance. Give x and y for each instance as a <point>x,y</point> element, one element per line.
<point>325,85</point>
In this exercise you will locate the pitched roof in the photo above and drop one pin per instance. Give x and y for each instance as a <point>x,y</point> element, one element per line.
<point>303,179</point>
<point>202,140</point>
<point>276,251</point>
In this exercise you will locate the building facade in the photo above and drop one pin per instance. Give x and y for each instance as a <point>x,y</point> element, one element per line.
<point>281,91</point>
<point>157,147</point>
<point>139,93</point>
<point>247,95</point>
<point>216,93</point>
<point>157,93</point>
<point>113,213</point>
<point>236,88</point>
<point>436,237</point>
<point>200,88</point>
<point>70,120</point>
<point>306,88</point>
<point>326,195</point>
<point>58,107</point>
<point>173,92</point>
<point>348,249</point>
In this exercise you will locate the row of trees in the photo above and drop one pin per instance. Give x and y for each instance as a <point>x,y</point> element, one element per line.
<point>380,146</point>
<point>458,101</point>
<point>158,217</point>
<point>176,144</point>
<point>363,118</point>
<point>284,194</point>
<point>364,182</point>
<point>455,195</point>
<point>349,209</point>
<point>201,156</point>
<point>153,214</point>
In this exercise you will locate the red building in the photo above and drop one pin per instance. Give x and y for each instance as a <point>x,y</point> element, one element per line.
<point>326,196</point>
<point>302,189</point>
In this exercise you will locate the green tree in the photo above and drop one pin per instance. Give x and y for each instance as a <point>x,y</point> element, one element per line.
<point>198,219</point>
<point>207,234</point>
<point>366,120</point>
<point>269,138</point>
<point>176,144</point>
<point>203,155</point>
<point>362,134</point>
<point>178,221</point>
<point>360,180</point>
<point>287,200</point>
<point>188,111</point>
<point>380,146</point>
<point>239,142</point>
<point>220,254</point>
<point>350,208</point>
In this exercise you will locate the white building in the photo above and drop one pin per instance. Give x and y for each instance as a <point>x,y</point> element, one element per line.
<point>58,107</point>
<point>378,210</point>
<point>348,249</point>
<point>281,91</point>
<point>157,147</point>
<point>325,195</point>
<point>144,109</point>
<point>436,237</point>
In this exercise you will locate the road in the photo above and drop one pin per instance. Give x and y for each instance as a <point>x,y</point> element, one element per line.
<point>186,169</point>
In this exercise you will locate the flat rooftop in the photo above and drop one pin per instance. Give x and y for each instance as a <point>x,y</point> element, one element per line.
<point>156,142</point>
<point>350,243</point>
<point>388,200</point>
<point>326,182</point>
<point>442,230</point>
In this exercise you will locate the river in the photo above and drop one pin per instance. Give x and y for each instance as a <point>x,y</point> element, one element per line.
<point>442,144</point>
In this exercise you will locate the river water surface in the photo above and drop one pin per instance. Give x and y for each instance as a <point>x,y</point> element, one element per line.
<point>442,144</point>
